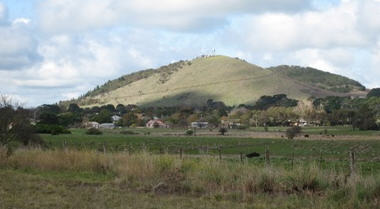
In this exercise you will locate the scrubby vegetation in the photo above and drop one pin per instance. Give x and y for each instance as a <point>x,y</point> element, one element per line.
<point>94,131</point>
<point>209,177</point>
<point>324,80</point>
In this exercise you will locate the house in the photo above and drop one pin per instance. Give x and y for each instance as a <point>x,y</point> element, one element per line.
<point>156,123</point>
<point>91,124</point>
<point>107,126</point>
<point>301,123</point>
<point>231,123</point>
<point>115,118</point>
<point>199,125</point>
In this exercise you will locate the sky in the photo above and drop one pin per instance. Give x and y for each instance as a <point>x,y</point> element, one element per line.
<point>53,50</point>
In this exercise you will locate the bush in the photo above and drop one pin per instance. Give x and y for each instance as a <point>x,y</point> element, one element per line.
<point>293,132</point>
<point>222,131</point>
<point>94,131</point>
<point>51,129</point>
<point>189,132</point>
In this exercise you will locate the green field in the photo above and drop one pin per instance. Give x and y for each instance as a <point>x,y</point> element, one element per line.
<point>320,130</point>
<point>330,154</point>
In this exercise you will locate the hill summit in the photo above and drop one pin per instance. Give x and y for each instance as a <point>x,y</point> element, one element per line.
<point>230,80</point>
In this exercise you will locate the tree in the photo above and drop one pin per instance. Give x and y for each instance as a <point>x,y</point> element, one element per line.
<point>15,125</point>
<point>121,109</point>
<point>129,119</point>
<point>364,119</point>
<point>109,107</point>
<point>74,108</point>
<point>374,93</point>
<point>103,117</point>
<point>49,118</point>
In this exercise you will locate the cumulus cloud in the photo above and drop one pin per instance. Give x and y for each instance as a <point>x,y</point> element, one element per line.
<point>75,45</point>
<point>3,14</point>
<point>69,15</point>
<point>337,26</point>
<point>18,47</point>
<point>340,39</point>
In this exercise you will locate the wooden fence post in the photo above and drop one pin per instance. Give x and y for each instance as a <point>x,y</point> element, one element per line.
<point>220,152</point>
<point>292,160</point>
<point>352,162</point>
<point>104,148</point>
<point>320,159</point>
<point>267,156</point>
<point>241,157</point>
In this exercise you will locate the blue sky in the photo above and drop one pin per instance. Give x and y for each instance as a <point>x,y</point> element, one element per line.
<point>55,50</point>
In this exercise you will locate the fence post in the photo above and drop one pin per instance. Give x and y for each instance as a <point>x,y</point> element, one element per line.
<point>267,156</point>
<point>352,162</point>
<point>220,152</point>
<point>180,153</point>
<point>292,160</point>
<point>104,148</point>
<point>241,157</point>
<point>320,159</point>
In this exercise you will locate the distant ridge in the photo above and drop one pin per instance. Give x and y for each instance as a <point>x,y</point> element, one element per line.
<point>231,80</point>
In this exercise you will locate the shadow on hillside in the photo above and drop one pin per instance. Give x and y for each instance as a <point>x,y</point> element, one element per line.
<point>190,98</point>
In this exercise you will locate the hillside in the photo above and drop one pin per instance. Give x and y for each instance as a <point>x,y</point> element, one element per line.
<point>231,80</point>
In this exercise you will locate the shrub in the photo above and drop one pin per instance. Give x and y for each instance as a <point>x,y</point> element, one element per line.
<point>292,132</point>
<point>222,131</point>
<point>189,132</point>
<point>93,131</point>
<point>51,129</point>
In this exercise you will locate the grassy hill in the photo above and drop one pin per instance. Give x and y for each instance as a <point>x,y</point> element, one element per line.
<point>231,80</point>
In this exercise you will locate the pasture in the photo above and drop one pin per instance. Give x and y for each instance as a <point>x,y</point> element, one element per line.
<point>163,168</point>
<point>330,153</point>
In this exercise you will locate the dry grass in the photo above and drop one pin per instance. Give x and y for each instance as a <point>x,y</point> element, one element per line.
<point>209,177</point>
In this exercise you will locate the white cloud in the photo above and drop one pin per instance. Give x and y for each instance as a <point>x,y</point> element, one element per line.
<point>337,26</point>
<point>81,15</point>
<point>75,45</point>
<point>3,14</point>
<point>17,43</point>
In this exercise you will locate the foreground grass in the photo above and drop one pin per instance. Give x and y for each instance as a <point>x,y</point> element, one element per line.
<point>88,179</point>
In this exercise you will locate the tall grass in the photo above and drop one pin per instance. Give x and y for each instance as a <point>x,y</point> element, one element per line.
<point>206,176</point>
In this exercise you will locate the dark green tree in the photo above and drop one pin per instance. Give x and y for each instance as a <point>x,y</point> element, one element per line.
<point>374,93</point>
<point>365,119</point>
<point>15,125</point>
<point>104,116</point>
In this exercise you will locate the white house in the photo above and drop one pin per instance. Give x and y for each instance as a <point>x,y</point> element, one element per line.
<point>107,126</point>
<point>116,118</point>
<point>199,125</point>
<point>91,124</point>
